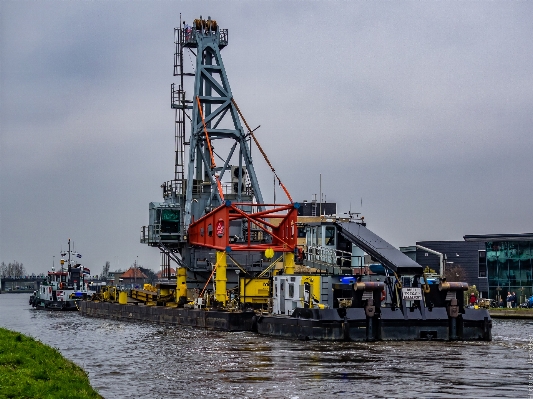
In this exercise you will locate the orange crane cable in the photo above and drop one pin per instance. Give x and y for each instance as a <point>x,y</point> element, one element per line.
<point>208,280</point>
<point>213,165</point>
<point>261,150</point>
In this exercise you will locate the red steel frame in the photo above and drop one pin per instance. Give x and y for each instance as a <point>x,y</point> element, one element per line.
<point>211,230</point>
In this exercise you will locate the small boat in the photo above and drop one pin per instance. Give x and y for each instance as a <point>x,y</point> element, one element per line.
<point>62,290</point>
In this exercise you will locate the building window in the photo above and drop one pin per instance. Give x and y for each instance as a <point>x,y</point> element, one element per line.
<point>509,268</point>
<point>482,263</point>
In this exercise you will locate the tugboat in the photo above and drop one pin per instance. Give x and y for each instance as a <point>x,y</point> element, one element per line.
<point>62,290</point>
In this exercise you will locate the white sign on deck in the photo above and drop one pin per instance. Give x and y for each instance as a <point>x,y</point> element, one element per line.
<point>412,294</point>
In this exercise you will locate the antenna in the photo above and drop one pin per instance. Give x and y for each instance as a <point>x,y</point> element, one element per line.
<point>320,208</point>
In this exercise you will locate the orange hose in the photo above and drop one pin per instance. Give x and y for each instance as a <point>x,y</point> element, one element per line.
<point>213,165</point>
<point>208,280</point>
<point>262,152</point>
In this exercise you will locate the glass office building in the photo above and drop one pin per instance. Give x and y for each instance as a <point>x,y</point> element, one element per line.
<point>509,264</point>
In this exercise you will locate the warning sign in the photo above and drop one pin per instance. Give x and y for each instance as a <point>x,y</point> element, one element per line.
<point>412,294</point>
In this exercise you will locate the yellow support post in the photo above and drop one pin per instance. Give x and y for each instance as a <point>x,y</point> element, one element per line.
<point>123,298</point>
<point>288,261</point>
<point>220,278</point>
<point>181,283</point>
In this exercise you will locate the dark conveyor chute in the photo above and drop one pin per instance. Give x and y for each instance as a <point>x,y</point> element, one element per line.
<point>379,249</point>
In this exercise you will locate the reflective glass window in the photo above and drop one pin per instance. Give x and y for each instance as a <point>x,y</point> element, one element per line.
<point>330,235</point>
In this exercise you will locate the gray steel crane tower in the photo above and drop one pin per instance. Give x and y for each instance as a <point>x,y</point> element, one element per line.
<point>216,146</point>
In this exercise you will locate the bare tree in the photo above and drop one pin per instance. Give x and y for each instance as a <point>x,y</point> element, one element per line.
<point>149,273</point>
<point>12,269</point>
<point>105,270</point>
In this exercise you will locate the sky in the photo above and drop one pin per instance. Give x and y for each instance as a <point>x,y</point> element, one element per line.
<point>416,114</point>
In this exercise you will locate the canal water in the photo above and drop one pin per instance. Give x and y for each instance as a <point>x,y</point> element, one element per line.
<point>140,360</point>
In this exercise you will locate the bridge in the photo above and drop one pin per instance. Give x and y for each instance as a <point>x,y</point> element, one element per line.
<point>21,284</point>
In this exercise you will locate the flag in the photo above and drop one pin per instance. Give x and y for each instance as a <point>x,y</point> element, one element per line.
<point>78,255</point>
<point>86,271</point>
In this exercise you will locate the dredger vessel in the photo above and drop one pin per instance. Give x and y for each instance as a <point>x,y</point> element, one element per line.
<point>243,264</point>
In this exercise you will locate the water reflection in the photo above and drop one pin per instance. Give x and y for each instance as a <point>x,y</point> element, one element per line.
<point>130,360</point>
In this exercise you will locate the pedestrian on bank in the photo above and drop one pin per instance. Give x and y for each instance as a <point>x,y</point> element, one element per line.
<point>473,299</point>
<point>509,300</point>
<point>514,300</point>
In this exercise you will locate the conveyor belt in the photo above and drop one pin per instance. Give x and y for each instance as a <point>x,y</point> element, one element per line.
<point>378,248</point>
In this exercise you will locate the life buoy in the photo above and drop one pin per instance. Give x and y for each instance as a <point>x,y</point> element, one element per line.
<point>383,295</point>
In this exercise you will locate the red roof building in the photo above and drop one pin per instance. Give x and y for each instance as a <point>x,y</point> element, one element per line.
<point>160,275</point>
<point>133,277</point>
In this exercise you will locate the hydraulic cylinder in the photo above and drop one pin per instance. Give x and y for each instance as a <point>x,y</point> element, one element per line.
<point>221,278</point>
<point>288,261</point>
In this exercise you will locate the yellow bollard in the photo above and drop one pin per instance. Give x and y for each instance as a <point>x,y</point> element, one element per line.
<point>123,298</point>
<point>221,278</point>
<point>288,261</point>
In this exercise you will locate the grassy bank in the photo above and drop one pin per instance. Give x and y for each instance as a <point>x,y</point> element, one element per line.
<point>30,369</point>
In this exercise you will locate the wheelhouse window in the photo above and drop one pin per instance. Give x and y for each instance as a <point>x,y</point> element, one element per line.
<point>330,236</point>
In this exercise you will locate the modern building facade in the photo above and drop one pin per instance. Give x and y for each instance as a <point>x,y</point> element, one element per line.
<point>463,259</point>
<point>494,263</point>
<point>509,263</point>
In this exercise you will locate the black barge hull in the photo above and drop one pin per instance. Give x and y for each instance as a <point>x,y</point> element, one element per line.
<point>473,325</point>
<point>210,319</point>
<point>321,325</point>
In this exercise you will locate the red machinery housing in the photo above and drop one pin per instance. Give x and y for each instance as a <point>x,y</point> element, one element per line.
<point>277,223</point>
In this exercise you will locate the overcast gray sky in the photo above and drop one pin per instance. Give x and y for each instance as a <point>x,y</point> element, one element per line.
<point>421,109</point>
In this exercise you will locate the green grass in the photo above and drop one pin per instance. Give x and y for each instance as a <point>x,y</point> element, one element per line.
<point>30,369</point>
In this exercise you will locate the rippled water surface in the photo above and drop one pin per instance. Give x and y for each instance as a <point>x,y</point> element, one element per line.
<point>130,360</point>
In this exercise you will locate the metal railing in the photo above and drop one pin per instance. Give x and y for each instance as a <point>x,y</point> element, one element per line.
<point>172,188</point>
<point>331,257</point>
<point>150,233</point>
<point>187,36</point>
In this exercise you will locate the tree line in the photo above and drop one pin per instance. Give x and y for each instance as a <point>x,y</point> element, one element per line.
<point>12,269</point>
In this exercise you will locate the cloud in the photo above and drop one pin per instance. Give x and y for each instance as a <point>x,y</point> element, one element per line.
<point>423,110</point>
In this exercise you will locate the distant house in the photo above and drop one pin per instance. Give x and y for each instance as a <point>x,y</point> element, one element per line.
<point>160,275</point>
<point>114,277</point>
<point>132,278</point>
